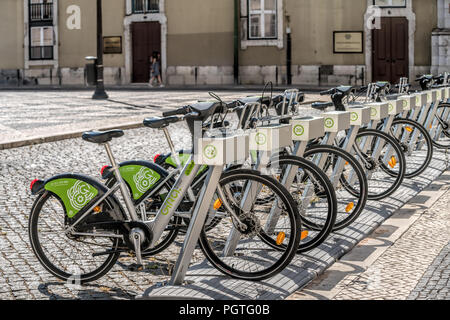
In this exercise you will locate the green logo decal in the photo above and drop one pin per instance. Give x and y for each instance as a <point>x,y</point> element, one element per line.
<point>189,168</point>
<point>299,130</point>
<point>373,112</point>
<point>405,103</point>
<point>184,157</point>
<point>139,178</point>
<point>329,123</point>
<point>417,100</point>
<point>391,107</point>
<point>260,138</point>
<point>354,116</point>
<point>169,201</point>
<point>210,151</point>
<point>75,194</point>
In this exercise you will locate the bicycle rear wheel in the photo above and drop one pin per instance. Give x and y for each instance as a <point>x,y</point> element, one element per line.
<point>243,248</point>
<point>376,150</point>
<point>417,155</point>
<point>442,140</point>
<point>351,199</point>
<point>315,198</point>
<point>70,258</point>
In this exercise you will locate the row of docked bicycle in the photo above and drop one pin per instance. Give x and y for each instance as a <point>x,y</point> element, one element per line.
<point>263,182</point>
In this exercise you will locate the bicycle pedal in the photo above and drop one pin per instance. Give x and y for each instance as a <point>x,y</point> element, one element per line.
<point>136,267</point>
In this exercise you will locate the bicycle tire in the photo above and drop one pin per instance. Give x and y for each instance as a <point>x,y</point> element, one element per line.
<point>218,260</point>
<point>33,231</point>
<point>400,160</point>
<point>361,194</point>
<point>445,132</point>
<point>428,141</point>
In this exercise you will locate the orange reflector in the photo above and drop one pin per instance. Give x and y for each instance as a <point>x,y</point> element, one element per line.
<point>349,207</point>
<point>409,129</point>
<point>346,163</point>
<point>280,238</point>
<point>393,162</point>
<point>431,126</point>
<point>97,209</point>
<point>217,204</point>
<point>304,235</point>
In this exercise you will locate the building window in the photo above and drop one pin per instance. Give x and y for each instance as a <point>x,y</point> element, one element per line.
<point>262,21</point>
<point>390,3</point>
<point>41,31</point>
<point>41,10</point>
<point>41,43</point>
<point>145,6</point>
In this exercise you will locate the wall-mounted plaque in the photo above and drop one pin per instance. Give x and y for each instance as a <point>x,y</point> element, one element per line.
<point>348,42</point>
<point>112,45</point>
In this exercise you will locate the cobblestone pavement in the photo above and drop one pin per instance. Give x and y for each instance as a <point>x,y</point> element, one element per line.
<point>435,282</point>
<point>23,277</point>
<point>29,114</point>
<point>416,266</point>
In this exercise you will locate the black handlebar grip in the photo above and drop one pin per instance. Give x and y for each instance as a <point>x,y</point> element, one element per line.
<point>177,112</point>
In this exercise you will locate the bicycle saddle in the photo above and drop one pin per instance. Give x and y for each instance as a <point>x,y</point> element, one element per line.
<point>159,123</point>
<point>101,136</point>
<point>322,105</point>
<point>344,89</point>
<point>253,99</point>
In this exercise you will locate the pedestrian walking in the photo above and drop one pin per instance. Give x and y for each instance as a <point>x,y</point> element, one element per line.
<point>155,72</point>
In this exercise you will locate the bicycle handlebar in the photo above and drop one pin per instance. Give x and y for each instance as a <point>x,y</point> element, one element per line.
<point>177,112</point>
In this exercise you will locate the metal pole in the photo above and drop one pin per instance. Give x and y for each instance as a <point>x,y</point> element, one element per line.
<point>289,57</point>
<point>99,93</point>
<point>236,42</point>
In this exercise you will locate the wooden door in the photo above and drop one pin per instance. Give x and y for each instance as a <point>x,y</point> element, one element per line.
<point>146,37</point>
<point>390,50</point>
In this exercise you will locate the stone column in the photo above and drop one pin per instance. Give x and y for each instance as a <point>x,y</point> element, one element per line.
<point>440,39</point>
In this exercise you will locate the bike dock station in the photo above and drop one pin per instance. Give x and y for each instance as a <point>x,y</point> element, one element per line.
<point>257,148</point>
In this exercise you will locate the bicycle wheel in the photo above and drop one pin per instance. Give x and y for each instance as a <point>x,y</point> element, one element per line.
<point>441,139</point>
<point>315,198</point>
<point>248,255</point>
<point>340,166</point>
<point>152,205</point>
<point>70,258</point>
<point>418,155</point>
<point>376,150</point>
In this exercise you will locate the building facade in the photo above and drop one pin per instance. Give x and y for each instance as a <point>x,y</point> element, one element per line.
<point>304,42</point>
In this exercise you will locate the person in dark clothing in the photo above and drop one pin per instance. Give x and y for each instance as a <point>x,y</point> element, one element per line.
<point>155,71</point>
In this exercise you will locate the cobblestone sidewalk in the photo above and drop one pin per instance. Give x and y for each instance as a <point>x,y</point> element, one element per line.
<point>32,114</point>
<point>416,266</point>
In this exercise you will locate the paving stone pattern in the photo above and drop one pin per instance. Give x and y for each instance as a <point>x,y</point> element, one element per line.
<point>435,282</point>
<point>22,276</point>
<point>29,114</point>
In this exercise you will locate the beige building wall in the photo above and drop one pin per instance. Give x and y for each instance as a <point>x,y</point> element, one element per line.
<point>199,32</point>
<point>11,34</point>
<point>200,41</point>
<point>312,24</point>
<point>75,45</point>
<point>426,21</point>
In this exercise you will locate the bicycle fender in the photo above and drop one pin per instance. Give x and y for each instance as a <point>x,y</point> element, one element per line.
<point>140,176</point>
<point>77,192</point>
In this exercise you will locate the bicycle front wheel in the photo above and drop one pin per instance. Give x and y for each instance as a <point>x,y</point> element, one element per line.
<point>383,160</point>
<point>242,243</point>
